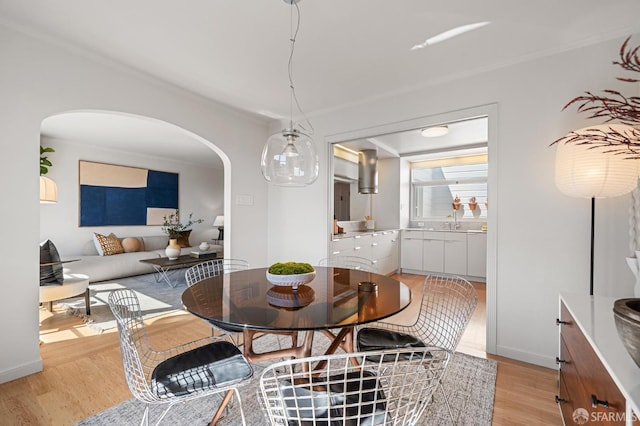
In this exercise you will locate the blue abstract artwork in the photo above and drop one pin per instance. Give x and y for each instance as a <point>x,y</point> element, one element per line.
<point>112,195</point>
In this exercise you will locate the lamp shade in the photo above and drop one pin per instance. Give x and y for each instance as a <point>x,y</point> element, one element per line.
<point>218,221</point>
<point>289,158</point>
<point>587,170</point>
<point>48,190</point>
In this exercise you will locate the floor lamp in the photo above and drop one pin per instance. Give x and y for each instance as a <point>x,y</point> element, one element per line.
<point>587,170</point>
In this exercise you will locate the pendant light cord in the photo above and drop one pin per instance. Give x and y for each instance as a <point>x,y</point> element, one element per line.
<point>294,98</point>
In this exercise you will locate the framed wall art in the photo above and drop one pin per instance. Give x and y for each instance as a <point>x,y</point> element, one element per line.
<point>112,195</point>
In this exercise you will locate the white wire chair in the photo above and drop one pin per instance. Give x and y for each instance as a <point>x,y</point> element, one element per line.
<point>192,370</point>
<point>370,388</point>
<point>350,262</point>
<point>446,307</point>
<point>212,268</point>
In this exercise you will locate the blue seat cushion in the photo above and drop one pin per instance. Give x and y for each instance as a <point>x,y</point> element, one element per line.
<point>211,366</point>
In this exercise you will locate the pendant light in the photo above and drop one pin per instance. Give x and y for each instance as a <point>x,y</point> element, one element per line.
<point>289,157</point>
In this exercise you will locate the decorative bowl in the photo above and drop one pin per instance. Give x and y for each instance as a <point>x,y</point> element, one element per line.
<point>292,281</point>
<point>627,317</point>
<point>287,297</point>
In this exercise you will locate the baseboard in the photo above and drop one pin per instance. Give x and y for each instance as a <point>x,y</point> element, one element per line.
<point>531,358</point>
<point>21,371</point>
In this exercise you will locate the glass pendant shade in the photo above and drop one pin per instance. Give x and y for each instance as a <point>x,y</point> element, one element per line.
<point>589,171</point>
<point>289,158</point>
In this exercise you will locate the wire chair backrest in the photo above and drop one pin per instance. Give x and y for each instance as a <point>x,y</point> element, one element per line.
<point>376,388</point>
<point>445,310</point>
<point>212,268</point>
<point>350,262</point>
<point>133,340</point>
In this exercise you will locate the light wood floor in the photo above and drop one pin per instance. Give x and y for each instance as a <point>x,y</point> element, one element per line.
<point>83,371</point>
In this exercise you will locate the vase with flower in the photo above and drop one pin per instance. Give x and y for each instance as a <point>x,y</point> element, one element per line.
<point>178,232</point>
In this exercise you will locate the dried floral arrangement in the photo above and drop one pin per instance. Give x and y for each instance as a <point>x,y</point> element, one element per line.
<point>612,106</point>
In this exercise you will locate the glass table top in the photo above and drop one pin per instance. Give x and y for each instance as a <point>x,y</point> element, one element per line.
<point>336,297</point>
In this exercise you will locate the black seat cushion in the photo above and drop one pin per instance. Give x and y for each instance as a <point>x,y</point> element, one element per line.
<point>50,274</point>
<point>374,339</point>
<point>361,399</point>
<point>214,365</point>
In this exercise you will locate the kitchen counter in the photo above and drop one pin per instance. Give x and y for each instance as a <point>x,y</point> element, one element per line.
<point>466,231</point>
<point>352,234</point>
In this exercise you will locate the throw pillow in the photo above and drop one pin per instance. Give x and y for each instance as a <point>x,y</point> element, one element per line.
<point>50,274</point>
<point>183,241</point>
<point>108,244</point>
<point>131,244</point>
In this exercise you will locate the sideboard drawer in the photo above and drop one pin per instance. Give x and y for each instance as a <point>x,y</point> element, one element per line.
<point>583,374</point>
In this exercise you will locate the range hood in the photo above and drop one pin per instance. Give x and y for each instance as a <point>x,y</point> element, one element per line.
<point>368,171</point>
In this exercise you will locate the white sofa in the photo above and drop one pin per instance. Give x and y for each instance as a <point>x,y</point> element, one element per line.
<point>100,268</point>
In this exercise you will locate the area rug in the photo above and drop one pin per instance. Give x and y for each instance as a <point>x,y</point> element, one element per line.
<point>469,383</point>
<point>156,298</point>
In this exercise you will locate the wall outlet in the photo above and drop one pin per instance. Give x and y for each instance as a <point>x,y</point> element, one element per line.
<point>421,224</point>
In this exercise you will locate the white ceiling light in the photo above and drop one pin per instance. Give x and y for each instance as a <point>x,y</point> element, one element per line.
<point>450,34</point>
<point>435,131</point>
<point>289,157</point>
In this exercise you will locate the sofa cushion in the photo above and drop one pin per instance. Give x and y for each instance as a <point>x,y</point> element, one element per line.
<point>50,274</point>
<point>131,244</point>
<point>155,242</point>
<point>108,245</point>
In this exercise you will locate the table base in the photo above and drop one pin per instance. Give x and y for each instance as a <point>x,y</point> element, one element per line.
<point>344,340</point>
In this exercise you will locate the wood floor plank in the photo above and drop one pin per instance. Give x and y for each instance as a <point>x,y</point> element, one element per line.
<point>83,371</point>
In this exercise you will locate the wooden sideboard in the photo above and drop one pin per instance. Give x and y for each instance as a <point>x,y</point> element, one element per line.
<point>597,377</point>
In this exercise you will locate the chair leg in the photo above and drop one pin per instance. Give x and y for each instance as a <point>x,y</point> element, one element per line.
<point>87,301</point>
<point>51,306</point>
<point>446,401</point>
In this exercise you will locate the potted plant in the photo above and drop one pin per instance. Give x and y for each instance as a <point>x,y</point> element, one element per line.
<point>290,274</point>
<point>172,226</point>
<point>178,233</point>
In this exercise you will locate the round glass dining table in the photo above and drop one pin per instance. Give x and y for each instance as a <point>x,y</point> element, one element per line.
<point>337,298</point>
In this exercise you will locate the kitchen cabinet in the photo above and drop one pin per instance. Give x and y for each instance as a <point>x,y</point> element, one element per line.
<point>477,254</point>
<point>433,252</point>
<point>461,253</point>
<point>384,247</point>
<point>380,247</point>
<point>411,250</point>
<point>455,253</point>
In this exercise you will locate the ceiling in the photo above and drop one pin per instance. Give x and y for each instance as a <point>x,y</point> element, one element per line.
<point>347,51</point>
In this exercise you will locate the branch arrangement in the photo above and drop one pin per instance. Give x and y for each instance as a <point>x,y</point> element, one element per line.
<point>612,106</point>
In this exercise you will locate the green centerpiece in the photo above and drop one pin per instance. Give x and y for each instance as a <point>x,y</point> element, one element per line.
<point>291,274</point>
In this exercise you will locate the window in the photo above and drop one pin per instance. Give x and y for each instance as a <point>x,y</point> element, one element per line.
<point>436,183</point>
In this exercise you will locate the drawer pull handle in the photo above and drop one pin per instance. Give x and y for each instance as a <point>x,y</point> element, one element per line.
<point>560,361</point>
<point>560,322</point>
<point>560,400</point>
<point>595,402</point>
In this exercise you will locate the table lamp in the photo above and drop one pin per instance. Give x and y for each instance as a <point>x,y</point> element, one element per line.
<point>219,222</point>
<point>48,190</point>
<point>587,169</point>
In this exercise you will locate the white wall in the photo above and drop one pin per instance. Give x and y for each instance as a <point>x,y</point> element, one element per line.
<point>39,79</point>
<point>201,192</point>
<point>541,236</point>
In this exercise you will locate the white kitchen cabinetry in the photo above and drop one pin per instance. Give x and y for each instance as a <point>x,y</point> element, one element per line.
<point>362,246</point>
<point>450,252</point>
<point>477,254</point>
<point>384,247</point>
<point>433,252</point>
<point>411,250</point>
<point>342,247</point>
<point>381,248</point>
<point>455,253</point>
